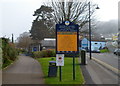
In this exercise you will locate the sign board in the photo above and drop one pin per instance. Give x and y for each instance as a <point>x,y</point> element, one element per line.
<point>67,37</point>
<point>59,59</point>
<point>115,38</point>
<point>34,48</point>
<point>84,42</point>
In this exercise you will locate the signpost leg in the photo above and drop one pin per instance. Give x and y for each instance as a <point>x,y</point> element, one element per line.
<point>60,73</point>
<point>74,67</point>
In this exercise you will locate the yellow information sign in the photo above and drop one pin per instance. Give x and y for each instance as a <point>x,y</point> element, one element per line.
<point>67,37</point>
<point>67,41</point>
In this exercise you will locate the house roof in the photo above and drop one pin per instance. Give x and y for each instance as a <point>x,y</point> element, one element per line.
<point>50,43</point>
<point>100,40</point>
<point>95,39</point>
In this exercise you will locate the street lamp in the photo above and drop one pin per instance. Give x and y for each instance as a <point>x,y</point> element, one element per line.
<point>90,31</point>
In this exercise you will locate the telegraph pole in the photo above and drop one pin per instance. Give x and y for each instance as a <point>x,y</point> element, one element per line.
<point>89,33</point>
<point>90,30</point>
<point>12,39</point>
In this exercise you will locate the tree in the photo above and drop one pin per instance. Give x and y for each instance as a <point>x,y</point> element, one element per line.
<point>74,11</point>
<point>42,25</point>
<point>56,12</point>
<point>24,40</point>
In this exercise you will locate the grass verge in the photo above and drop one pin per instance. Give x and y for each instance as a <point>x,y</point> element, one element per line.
<point>104,50</point>
<point>66,72</point>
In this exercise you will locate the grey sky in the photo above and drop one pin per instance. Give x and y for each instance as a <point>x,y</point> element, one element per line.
<point>16,15</point>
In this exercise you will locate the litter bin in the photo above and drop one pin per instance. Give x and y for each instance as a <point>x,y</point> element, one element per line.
<point>52,69</point>
<point>83,57</point>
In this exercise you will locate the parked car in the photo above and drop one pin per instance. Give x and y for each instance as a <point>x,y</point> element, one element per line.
<point>117,52</point>
<point>94,51</point>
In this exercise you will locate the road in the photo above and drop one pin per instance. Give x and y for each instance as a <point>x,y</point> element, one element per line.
<point>25,70</point>
<point>108,58</point>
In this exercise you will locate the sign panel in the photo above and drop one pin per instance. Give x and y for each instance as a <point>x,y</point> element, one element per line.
<point>34,48</point>
<point>67,37</point>
<point>115,38</point>
<point>84,43</point>
<point>59,59</point>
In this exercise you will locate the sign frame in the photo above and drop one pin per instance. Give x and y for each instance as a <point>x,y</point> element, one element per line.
<point>76,30</point>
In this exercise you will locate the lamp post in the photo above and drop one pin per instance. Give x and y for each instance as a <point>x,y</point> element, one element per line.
<point>90,31</point>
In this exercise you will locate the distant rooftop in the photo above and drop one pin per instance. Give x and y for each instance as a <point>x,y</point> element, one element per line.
<point>48,42</point>
<point>49,39</point>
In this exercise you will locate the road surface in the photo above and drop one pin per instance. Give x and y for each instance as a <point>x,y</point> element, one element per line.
<point>25,70</point>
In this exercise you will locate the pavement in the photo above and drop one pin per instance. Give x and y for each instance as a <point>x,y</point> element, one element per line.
<point>25,70</point>
<point>96,73</point>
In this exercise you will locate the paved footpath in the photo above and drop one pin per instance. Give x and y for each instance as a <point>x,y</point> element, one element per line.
<point>25,70</point>
<point>97,74</point>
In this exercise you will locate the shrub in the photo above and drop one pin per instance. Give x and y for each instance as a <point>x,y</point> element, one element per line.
<point>49,53</point>
<point>104,50</point>
<point>6,62</point>
<point>9,53</point>
<point>53,53</point>
<point>44,53</point>
<point>37,54</point>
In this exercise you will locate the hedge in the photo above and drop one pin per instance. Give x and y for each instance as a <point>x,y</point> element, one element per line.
<point>104,50</point>
<point>9,52</point>
<point>49,53</point>
<point>44,53</point>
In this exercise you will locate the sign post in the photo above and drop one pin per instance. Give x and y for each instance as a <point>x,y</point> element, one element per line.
<point>67,40</point>
<point>74,67</point>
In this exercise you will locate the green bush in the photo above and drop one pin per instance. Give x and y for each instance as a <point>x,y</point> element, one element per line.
<point>53,53</point>
<point>12,53</point>
<point>44,53</point>
<point>37,54</point>
<point>9,52</point>
<point>104,50</point>
<point>49,53</point>
<point>23,51</point>
<point>6,63</point>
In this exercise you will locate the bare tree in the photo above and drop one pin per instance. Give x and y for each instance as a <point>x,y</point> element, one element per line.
<point>55,12</point>
<point>74,11</point>
<point>24,40</point>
